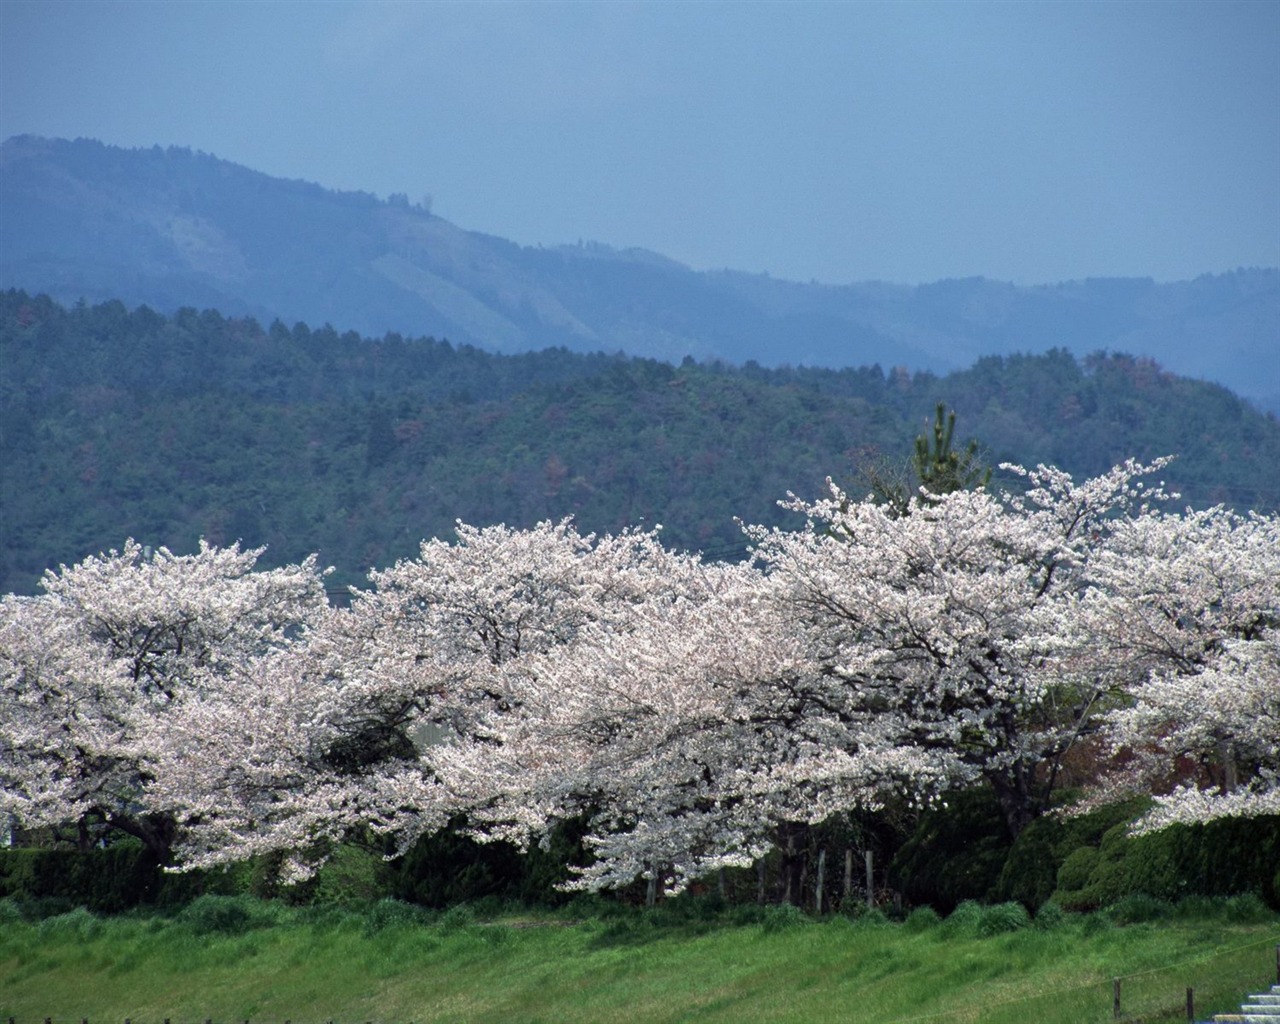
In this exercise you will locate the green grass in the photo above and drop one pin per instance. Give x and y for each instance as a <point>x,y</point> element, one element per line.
<point>236,960</point>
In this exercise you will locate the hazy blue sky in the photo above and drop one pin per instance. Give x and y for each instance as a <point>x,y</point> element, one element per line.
<point>1032,142</point>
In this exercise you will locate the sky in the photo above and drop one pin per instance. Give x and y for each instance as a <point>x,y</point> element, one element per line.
<point>1031,142</point>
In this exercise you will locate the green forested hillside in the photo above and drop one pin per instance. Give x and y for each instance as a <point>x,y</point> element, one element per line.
<point>117,423</point>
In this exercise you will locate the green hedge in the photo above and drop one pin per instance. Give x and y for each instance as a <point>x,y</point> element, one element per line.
<point>1030,871</point>
<point>105,880</point>
<point>1221,858</point>
<point>956,853</point>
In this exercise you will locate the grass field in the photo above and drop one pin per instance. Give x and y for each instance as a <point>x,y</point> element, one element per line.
<point>229,959</point>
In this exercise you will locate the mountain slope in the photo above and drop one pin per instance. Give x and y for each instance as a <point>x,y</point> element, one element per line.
<point>172,228</point>
<point>117,423</point>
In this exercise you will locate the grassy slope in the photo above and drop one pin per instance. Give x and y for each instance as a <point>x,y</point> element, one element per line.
<point>340,967</point>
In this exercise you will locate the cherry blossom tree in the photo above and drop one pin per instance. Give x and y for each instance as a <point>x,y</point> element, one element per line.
<point>956,620</point>
<point>1190,604</point>
<point>116,647</point>
<point>690,738</point>
<point>352,728</point>
<point>693,713</point>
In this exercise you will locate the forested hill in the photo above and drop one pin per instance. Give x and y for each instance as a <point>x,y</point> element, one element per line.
<point>117,423</point>
<point>173,228</point>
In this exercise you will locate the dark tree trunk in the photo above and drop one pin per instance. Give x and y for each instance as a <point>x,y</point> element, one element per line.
<point>157,832</point>
<point>791,841</point>
<point>1021,800</point>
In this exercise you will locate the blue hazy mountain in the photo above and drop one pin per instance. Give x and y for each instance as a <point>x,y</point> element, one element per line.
<point>173,228</point>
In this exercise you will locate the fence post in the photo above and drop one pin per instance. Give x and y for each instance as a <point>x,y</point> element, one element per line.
<point>1191,1006</point>
<point>871,881</point>
<point>1115,999</point>
<point>1278,964</point>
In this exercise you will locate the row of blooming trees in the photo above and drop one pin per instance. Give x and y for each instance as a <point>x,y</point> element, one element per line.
<point>692,712</point>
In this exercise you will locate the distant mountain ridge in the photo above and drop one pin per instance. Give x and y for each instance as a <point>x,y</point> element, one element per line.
<point>171,228</point>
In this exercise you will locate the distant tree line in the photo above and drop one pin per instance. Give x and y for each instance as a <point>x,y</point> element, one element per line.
<point>118,422</point>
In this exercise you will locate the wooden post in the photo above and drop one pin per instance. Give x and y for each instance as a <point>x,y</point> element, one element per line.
<point>871,881</point>
<point>760,881</point>
<point>1278,965</point>
<point>822,879</point>
<point>1191,1006</point>
<point>1115,998</point>
<point>847,902</point>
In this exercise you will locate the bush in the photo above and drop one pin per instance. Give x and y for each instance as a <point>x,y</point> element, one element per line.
<point>1139,907</point>
<point>1221,858</point>
<point>1030,872</point>
<point>78,923</point>
<point>956,852</point>
<point>106,880</point>
<point>1076,869</point>
<point>392,913</point>
<point>782,917</point>
<point>450,867</point>
<point>1002,918</point>
<point>964,920</point>
<point>1049,917</point>
<point>456,917</point>
<point>352,874</point>
<point>1247,908</point>
<point>228,915</point>
<point>922,919</point>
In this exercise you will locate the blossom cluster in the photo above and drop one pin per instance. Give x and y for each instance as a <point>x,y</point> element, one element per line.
<point>689,710</point>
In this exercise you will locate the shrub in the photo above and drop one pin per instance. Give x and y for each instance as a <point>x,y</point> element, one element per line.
<point>459,916</point>
<point>1003,917</point>
<point>1139,907</point>
<point>228,915</point>
<point>352,874</point>
<point>964,920</point>
<point>1248,908</point>
<point>392,913</point>
<point>1030,872</point>
<point>956,853</point>
<point>106,880</point>
<point>1049,917</point>
<point>922,919</point>
<point>78,923</point>
<point>782,917</point>
<point>1222,858</point>
<point>1076,869</point>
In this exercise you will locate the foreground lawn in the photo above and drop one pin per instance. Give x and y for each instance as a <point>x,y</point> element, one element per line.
<point>234,960</point>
